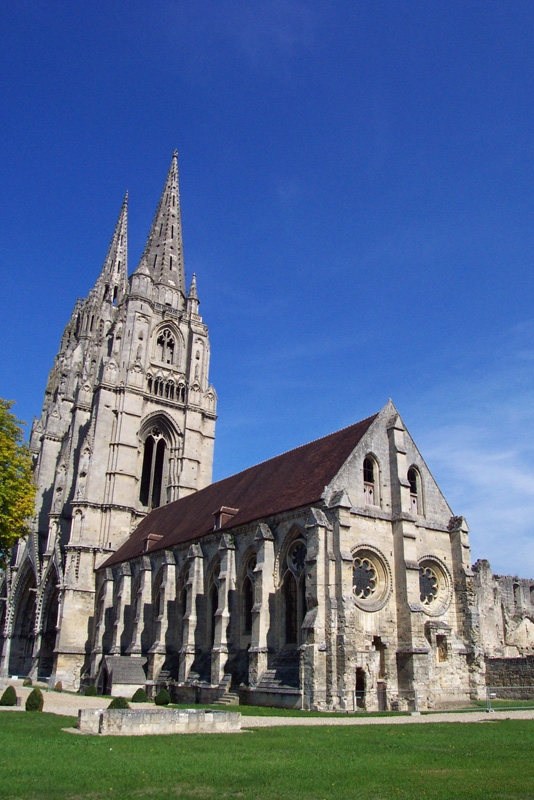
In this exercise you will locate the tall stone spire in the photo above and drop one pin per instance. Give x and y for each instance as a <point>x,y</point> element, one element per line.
<point>163,255</point>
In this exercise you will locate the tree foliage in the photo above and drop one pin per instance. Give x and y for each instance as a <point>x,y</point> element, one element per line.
<point>17,489</point>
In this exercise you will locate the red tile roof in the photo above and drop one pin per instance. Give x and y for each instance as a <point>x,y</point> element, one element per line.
<point>294,479</point>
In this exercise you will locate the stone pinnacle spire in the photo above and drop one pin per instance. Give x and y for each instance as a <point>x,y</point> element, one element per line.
<point>164,251</point>
<point>114,276</point>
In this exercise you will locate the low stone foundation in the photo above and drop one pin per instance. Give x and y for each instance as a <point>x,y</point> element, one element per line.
<point>140,722</point>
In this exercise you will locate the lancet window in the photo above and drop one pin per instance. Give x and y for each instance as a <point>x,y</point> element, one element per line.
<point>370,482</point>
<point>247,594</point>
<point>152,473</point>
<point>414,479</point>
<point>294,591</point>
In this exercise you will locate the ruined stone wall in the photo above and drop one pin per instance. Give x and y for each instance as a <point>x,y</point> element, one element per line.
<point>505,605</point>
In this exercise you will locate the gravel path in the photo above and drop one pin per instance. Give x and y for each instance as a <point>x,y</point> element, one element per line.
<point>68,705</point>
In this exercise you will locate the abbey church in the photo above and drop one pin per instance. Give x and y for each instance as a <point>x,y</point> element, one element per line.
<point>332,576</point>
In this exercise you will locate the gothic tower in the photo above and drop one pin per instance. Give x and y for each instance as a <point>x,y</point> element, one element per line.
<point>128,424</point>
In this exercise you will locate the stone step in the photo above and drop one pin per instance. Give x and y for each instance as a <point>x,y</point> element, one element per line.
<point>227,699</point>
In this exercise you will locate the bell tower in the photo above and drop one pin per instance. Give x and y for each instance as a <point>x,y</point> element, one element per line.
<point>128,424</point>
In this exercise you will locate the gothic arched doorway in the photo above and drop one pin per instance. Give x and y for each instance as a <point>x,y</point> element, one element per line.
<point>23,637</point>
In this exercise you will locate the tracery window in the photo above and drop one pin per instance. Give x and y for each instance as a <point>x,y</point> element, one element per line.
<point>152,473</point>
<point>166,347</point>
<point>435,586</point>
<point>371,578</point>
<point>294,591</point>
<point>428,585</point>
<point>364,578</point>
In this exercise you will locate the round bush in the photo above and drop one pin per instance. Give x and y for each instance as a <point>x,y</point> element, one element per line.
<point>119,702</point>
<point>35,700</point>
<point>27,682</point>
<point>163,698</point>
<point>91,691</point>
<point>58,687</point>
<point>140,696</point>
<point>9,698</point>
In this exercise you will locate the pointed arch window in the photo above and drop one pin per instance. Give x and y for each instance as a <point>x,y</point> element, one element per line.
<point>247,595</point>
<point>152,473</point>
<point>414,479</point>
<point>213,602</point>
<point>370,482</point>
<point>166,347</point>
<point>294,592</point>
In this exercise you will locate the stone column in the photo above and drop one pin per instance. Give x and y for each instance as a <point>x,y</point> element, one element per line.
<point>195,592</point>
<point>314,648</point>
<point>219,653</point>
<point>144,598</point>
<point>160,647</point>
<point>263,597</point>
<point>122,608</point>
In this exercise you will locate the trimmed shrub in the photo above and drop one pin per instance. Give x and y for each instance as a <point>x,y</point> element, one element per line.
<point>35,700</point>
<point>119,702</point>
<point>9,698</point>
<point>58,687</point>
<point>27,682</point>
<point>140,696</point>
<point>163,698</point>
<point>91,691</point>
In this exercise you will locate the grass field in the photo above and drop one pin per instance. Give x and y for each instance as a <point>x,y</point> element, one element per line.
<point>451,761</point>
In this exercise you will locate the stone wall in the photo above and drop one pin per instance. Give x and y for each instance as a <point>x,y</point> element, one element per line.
<point>510,671</point>
<point>505,605</point>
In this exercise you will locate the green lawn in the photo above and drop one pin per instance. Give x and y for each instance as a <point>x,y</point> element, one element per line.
<point>449,761</point>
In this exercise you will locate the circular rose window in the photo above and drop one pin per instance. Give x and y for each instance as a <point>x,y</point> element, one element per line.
<point>371,579</point>
<point>434,586</point>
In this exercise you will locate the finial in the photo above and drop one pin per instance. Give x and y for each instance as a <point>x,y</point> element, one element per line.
<point>175,154</point>
<point>193,288</point>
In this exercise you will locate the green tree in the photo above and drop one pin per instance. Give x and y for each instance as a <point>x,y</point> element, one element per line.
<point>17,489</point>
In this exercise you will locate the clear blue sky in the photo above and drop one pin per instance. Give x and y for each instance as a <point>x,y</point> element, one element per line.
<point>358,204</point>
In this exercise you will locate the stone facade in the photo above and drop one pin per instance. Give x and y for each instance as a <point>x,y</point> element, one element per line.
<point>128,422</point>
<point>332,576</point>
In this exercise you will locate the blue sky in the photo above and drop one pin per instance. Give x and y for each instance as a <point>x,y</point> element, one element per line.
<point>358,204</point>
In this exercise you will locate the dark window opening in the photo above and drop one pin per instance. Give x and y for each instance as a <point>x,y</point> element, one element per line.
<point>248,603</point>
<point>152,473</point>
<point>291,605</point>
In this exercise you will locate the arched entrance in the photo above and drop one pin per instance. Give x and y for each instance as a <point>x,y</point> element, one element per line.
<point>23,637</point>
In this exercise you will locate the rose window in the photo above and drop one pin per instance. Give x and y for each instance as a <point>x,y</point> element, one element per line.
<point>296,557</point>
<point>364,578</point>
<point>428,585</point>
